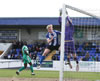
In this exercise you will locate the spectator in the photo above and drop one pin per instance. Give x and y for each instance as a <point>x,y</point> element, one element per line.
<point>86,58</point>
<point>19,45</point>
<point>97,58</point>
<point>37,48</point>
<point>34,56</point>
<point>9,56</point>
<point>77,45</point>
<point>97,50</point>
<point>93,58</point>
<point>14,44</point>
<point>93,45</point>
<point>12,56</point>
<point>20,52</point>
<point>33,48</point>
<point>43,44</point>
<point>86,46</point>
<point>78,52</point>
<point>54,57</point>
<point>82,52</point>
<point>14,51</point>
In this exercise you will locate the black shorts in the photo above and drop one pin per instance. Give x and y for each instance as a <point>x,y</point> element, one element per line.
<point>53,47</point>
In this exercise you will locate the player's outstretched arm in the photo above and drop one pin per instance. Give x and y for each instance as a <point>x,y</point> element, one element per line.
<point>69,21</point>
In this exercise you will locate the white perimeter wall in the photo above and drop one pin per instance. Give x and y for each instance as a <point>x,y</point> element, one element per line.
<point>84,66</point>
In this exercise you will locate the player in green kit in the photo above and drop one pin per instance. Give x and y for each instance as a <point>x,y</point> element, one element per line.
<point>26,60</point>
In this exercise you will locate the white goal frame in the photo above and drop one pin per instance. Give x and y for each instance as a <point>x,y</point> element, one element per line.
<point>63,34</point>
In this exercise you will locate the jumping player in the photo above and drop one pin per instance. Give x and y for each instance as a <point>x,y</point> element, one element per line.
<point>69,41</point>
<point>26,59</point>
<point>52,40</point>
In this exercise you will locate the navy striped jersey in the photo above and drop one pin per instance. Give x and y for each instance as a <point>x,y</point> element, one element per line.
<point>55,35</point>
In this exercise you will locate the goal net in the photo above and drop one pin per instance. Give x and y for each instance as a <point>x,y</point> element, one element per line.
<point>80,45</point>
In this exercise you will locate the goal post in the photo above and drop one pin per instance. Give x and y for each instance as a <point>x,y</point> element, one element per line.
<point>62,42</point>
<point>64,15</point>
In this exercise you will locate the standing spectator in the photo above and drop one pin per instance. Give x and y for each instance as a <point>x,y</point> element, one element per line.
<point>97,50</point>
<point>97,58</point>
<point>93,58</point>
<point>94,45</point>
<point>78,52</point>
<point>14,44</point>
<point>87,57</point>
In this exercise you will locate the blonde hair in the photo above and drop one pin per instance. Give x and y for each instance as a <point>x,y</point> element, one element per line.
<point>49,26</point>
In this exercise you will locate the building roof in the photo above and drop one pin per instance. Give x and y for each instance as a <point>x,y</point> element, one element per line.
<point>47,20</point>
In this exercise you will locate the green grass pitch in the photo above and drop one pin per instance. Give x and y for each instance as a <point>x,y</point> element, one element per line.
<point>91,76</point>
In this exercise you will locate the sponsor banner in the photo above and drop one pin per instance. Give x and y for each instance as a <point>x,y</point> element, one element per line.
<point>8,34</point>
<point>46,64</point>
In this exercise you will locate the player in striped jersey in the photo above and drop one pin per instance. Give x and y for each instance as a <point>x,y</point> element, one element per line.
<point>52,40</point>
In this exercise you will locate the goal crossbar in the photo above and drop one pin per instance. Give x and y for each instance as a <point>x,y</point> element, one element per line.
<point>82,11</point>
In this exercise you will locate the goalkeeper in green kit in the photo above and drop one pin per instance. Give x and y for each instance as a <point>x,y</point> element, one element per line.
<point>26,59</point>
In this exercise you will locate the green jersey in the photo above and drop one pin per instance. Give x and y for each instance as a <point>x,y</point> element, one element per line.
<point>25,48</point>
<point>26,57</point>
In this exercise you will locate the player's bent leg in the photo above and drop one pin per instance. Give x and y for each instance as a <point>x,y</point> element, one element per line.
<point>41,60</point>
<point>21,69</point>
<point>68,59</point>
<point>77,62</point>
<point>31,67</point>
<point>77,67</point>
<point>69,63</point>
<point>46,51</point>
<point>18,72</point>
